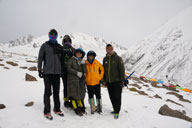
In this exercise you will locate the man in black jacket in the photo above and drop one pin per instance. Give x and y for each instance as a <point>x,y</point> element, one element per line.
<point>114,73</point>
<point>49,55</point>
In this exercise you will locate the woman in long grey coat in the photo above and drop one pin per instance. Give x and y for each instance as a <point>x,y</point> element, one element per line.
<point>76,81</point>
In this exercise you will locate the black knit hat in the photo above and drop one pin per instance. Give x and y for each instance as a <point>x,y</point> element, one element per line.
<point>91,53</point>
<point>53,32</point>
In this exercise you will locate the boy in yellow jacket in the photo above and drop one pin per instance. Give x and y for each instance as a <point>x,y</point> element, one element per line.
<point>94,74</point>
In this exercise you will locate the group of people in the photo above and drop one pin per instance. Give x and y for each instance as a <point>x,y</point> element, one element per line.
<point>78,74</point>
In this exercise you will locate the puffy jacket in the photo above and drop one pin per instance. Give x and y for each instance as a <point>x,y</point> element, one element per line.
<point>114,68</point>
<point>94,72</point>
<point>49,58</point>
<point>75,85</point>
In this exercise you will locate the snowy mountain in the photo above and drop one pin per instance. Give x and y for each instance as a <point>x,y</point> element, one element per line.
<point>167,53</point>
<point>30,45</point>
<point>21,41</point>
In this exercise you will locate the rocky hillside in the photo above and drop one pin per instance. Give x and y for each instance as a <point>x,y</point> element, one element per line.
<point>167,53</point>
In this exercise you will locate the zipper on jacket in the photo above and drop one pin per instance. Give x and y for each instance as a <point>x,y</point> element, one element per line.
<point>54,59</point>
<point>109,67</point>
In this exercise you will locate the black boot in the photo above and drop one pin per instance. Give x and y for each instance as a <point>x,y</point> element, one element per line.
<point>78,112</point>
<point>99,105</point>
<point>67,104</point>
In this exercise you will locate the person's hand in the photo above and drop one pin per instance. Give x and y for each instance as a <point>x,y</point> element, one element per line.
<point>82,62</point>
<point>79,74</point>
<point>122,84</point>
<point>125,83</point>
<point>40,73</point>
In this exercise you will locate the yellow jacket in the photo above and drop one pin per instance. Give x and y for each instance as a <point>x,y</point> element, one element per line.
<point>94,72</point>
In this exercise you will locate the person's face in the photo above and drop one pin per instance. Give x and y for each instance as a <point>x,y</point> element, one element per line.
<point>109,50</point>
<point>78,54</point>
<point>90,57</point>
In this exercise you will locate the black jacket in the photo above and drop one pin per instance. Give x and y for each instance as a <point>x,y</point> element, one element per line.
<point>50,58</point>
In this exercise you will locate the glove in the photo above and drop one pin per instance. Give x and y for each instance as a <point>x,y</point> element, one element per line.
<point>126,82</point>
<point>40,73</point>
<point>79,74</point>
<point>82,62</point>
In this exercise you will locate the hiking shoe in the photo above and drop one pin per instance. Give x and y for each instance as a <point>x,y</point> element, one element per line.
<point>59,113</point>
<point>82,109</point>
<point>112,112</point>
<point>68,104</point>
<point>78,112</point>
<point>48,116</point>
<point>116,116</point>
<point>98,110</point>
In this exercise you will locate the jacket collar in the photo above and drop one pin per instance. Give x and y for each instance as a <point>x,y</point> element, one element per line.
<point>114,54</point>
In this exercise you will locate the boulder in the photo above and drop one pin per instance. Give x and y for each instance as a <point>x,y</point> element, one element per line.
<point>157,96</point>
<point>30,77</point>
<point>135,85</point>
<point>175,94</point>
<point>139,92</point>
<point>149,89</point>
<point>32,68</point>
<point>146,85</point>
<point>32,61</point>
<point>6,68</point>
<point>179,96</point>
<point>168,100</point>
<point>11,63</point>
<point>29,104</point>
<point>185,100</point>
<point>166,111</point>
<point>1,64</point>
<point>23,67</point>
<point>2,106</point>
<point>133,89</point>
<point>142,93</point>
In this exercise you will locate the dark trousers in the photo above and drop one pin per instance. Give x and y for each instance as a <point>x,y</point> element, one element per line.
<point>64,79</point>
<point>114,90</point>
<point>51,81</point>
<point>94,90</point>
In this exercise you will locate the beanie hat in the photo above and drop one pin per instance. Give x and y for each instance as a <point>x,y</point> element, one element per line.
<point>91,53</point>
<point>53,32</point>
<point>80,50</point>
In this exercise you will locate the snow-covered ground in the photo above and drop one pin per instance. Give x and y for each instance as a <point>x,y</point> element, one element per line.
<point>137,111</point>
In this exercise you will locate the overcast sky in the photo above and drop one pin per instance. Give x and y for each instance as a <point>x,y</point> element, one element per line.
<point>120,21</point>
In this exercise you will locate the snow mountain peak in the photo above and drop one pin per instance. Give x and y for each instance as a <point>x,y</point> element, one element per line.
<point>166,52</point>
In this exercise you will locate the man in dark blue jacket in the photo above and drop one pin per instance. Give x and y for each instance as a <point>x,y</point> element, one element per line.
<point>49,68</point>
